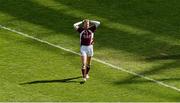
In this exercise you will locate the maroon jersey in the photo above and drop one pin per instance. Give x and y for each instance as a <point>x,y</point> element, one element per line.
<point>86,35</point>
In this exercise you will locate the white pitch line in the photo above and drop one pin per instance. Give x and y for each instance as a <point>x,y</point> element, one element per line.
<point>95,59</point>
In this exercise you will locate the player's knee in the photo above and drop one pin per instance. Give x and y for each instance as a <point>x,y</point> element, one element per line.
<point>83,66</point>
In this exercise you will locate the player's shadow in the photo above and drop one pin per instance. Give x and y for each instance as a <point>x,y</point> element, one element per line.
<point>67,80</point>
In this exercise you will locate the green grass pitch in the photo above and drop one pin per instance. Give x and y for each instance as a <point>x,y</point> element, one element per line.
<point>142,36</point>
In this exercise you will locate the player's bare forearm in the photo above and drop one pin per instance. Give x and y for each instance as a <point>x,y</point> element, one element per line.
<point>76,25</point>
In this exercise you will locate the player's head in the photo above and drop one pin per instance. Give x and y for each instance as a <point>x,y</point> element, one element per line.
<point>86,23</point>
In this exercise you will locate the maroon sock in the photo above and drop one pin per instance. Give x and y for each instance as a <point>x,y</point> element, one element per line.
<point>83,72</point>
<point>87,69</point>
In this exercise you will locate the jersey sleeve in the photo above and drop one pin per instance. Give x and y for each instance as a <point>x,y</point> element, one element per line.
<point>93,28</point>
<point>80,29</point>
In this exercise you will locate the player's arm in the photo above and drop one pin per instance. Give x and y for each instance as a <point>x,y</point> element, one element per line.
<point>96,23</point>
<point>76,25</point>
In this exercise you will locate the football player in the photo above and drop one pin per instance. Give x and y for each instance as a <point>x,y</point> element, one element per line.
<point>86,32</point>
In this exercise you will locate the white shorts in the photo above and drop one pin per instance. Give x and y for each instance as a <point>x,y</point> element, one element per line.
<point>87,50</point>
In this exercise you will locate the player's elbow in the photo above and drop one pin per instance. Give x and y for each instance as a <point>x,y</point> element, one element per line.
<point>98,23</point>
<point>75,26</point>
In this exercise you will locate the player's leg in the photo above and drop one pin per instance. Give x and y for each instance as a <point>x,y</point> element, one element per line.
<point>88,66</point>
<point>83,59</point>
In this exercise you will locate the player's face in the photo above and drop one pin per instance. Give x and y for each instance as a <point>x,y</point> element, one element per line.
<point>86,24</point>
